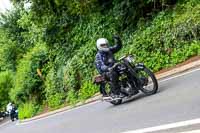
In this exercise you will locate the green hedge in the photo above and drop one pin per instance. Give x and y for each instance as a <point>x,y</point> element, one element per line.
<point>28,83</point>
<point>28,110</point>
<point>6,83</point>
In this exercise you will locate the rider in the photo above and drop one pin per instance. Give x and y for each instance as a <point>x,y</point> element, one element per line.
<point>9,107</point>
<point>105,63</point>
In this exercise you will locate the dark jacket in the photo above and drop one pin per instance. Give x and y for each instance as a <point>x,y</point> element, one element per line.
<point>105,60</point>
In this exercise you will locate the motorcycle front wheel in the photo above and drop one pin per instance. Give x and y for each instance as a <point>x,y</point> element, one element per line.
<point>149,83</point>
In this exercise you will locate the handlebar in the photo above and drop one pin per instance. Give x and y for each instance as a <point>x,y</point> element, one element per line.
<point>114,66</point>
<point>122,57</point>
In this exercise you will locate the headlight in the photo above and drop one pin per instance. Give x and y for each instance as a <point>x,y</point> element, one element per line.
<point>130,59</point>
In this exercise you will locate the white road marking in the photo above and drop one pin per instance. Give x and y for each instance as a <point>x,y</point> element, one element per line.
<point>193,131</point>
<point>53,115</point>
<point>167,126</point>
<point>4,123</point>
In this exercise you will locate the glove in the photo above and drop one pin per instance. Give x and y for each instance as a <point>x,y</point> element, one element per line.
<point>110,69</point>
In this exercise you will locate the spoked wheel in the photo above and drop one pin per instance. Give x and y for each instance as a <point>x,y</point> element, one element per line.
<point>148,81</point>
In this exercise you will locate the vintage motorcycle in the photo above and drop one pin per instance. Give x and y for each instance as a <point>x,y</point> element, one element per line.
<point>133,77</point>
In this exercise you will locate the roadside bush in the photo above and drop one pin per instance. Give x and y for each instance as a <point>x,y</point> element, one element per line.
<point>87,90</point>
<point>171,38</point>
<point>8,52</point>
<point>54,88</point>
<point>28,82</point>
<point>6,83</point>
<point>72,97</point>
<point>27,110</point>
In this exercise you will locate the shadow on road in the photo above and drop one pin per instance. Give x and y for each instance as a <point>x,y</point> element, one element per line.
<point>142,96</point>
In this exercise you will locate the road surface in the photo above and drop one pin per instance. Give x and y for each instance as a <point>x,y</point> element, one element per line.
<point>178,100</point>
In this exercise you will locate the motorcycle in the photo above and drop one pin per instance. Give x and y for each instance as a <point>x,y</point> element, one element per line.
<point>133,77</point>
<point>2,114</point>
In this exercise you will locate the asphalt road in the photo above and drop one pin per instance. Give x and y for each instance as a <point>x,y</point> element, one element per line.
<point>178,99</point>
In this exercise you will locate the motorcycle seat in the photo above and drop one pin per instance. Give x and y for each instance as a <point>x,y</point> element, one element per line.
<point>98,79</point>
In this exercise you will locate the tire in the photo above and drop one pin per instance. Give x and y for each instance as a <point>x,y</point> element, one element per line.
<point>116,102</point>
<point>154,81</point>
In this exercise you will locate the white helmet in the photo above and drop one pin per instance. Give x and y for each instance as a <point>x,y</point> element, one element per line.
<point>102,44</point>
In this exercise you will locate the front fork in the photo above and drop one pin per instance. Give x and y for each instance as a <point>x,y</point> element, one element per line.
<point>134,74</point>
<point>143,80</point>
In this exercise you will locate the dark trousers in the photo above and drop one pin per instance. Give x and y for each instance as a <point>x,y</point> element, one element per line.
<point>113,78</point>
<point>102,89</point>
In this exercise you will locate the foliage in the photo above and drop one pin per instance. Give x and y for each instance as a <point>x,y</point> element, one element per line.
<point>9,53</point>
<point>171,38</point>
<point>54,88</point>
<point>28,82</point>
<point>9,24</point>
<point>72,97</point>
<point>27,110</point>
<point>6,83</point>
<point>87,90</point>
